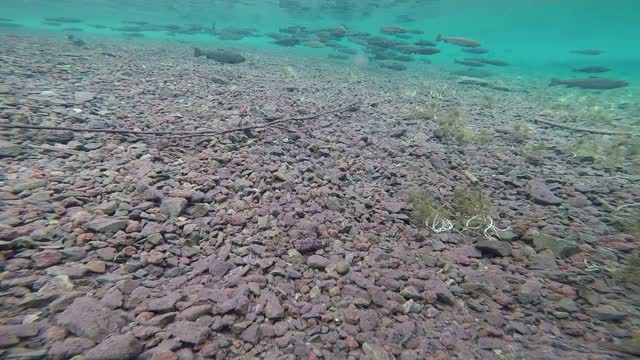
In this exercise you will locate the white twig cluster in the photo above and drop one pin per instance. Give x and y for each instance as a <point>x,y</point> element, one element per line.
<point>490,230</point>
<point>438,223</point>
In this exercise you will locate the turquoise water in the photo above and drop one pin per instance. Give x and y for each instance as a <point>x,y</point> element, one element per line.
<point>535,36</point>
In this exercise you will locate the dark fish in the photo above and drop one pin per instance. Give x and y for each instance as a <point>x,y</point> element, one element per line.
<point>592,69</point>
<point>591,83</point>
<point>135,22</point>
<point>403,58</point>
<point>473,72</point>
<point>98,26</point>
<point>128,28</point>
<point>393,66</point>
<point>63,19</point>
<point>393,30</point>
<point>134,35</point>
<point>287,42</point>
<point>5,19</point>
<point>587,52</point>
<point>416,31</point>
<point>492,62</point>
<point>8,25</point>
<point>426,51</point>
<point>347,51</point>
<point>469,63</point>
<point>49,23</point>
<point>424,43</point>
<point>460,41</point>
<point>221,56</point>
<point>475,50</point>
<point>76,29</point>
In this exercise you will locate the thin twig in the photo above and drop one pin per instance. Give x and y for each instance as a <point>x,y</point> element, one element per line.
<point>592,131</point>
<point>209,132</point>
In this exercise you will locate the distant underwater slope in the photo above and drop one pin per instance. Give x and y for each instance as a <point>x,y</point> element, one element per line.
<point>549,38</point>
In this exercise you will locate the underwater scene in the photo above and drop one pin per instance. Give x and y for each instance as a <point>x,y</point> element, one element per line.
<point>319,179</point>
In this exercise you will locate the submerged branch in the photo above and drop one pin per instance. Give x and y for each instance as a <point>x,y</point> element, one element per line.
<point>208,132</point>
<point>592,131</point>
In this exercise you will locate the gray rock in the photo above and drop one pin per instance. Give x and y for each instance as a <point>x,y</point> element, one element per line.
<point>529,292</point>
<point>495,247</point>
<point>541,194</point>
<point>561,248</point>
<point>107,225</point>
<point>113,299</point>
<point>410,292</point>
<point>89,318</point>
<point>173,206</point>
<point>9,149</point>
<point>165,303</point>
<point>194,312</point>
<point>317,262</point>
<point>375,352</point>
<point>219,268</point>
<point>273,309</point>
<point>83,96</point>
<point>21,331</point>
<point>342,267</point>
<point>117,347</point>
<point>308,245</point>
<point>70,347</point>
<point>109,208</point>
<point>392,206</point>
<point>189,332</point>
<point>251,334</point>
<point>606,313</point>
<point>368,320</point>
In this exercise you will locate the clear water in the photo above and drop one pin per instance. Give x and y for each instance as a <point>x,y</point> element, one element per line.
<point>535,36</point>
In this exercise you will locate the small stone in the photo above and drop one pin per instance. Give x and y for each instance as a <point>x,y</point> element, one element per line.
<point>89,318</point>
<point>295,256</point>
<point>495,247</point>
<point>410,292</point>
<point>194,312</point>
<point>117,347</point>
<point>70,347</point>
<point>308,245</point>
<point>107,225</point>
<point>107,253</point>
<point>113,299</point>
<point>10,150</point>
<point>109,208</point>
<point>165,303</point>
<point>317,262</point>
<point>173,206</point>
<point>83,96</point>
<point>529,292</point>
<point>164,355</point>
<point>342,267</point>
<point>219,268</point>
<point>189,332</point>
<point>541,194</point>
<point>375,352</point>
<point>47,258</point>
<point>392,206</point>
<point>96,266</point>
<point>251,334</point>
<point>561,248</point>
<point>273,309</point>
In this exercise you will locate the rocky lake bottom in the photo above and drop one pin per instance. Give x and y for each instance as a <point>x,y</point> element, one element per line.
<point>302,239</point>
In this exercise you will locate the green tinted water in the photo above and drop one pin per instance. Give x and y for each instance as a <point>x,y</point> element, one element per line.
<point>535,36</point>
